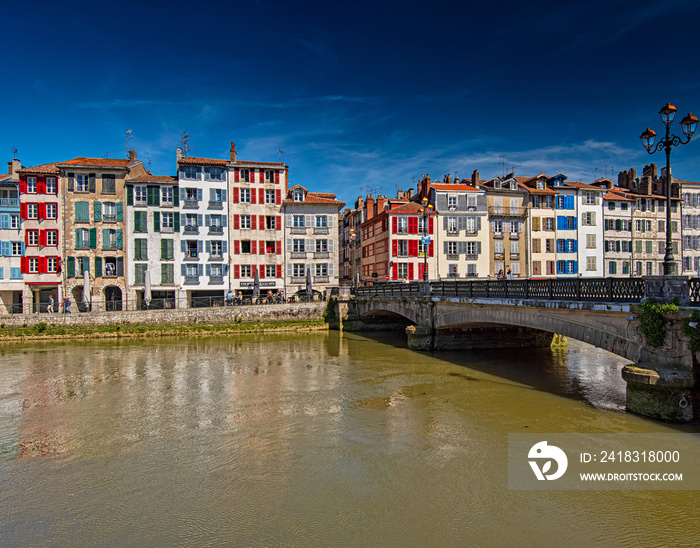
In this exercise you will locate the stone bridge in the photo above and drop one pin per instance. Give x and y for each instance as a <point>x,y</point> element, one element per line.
<point>660,380</point>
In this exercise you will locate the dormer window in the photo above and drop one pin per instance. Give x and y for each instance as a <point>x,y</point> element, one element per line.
<point>514,185</point>
<point>452,201</point>
<point>540,185</point>
<point>497,184</point>
<point>298,195</point>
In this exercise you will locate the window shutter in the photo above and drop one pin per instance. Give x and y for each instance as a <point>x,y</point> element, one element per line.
<point>199,220</point>
<point>86,263</point>
<point>261,269</point>
<point>431,249</point>
<point>431,222</point>
<point>120,266</point>
<point>183,193</point>
<point>207,220</point>
<point>91,182</point>
<point>236,221</point>
<point>290,246</point>
<point>261,196</point>
<point>278,222</point>
<point>310,245</point>
<point>22,211</point>
<point>278,196</point>
<point>331,245</point>
<point>129,195</point>
<point>120,212</point>
<point>261,247</point>
<point>98,267</point>
<point>252,193</point>
<point>78,238</point>
<point>395,271</point>
<point>183,246</point>
<point>236,192</point>
<point>93,238</point>
<point>236,267</point>
<point>156,221</point>
<point>208,246</point>
<point>253,222</point>
<point>208,270</point>
<point>261,222</point>
<point>97,208</point>
<point>444,244</point>
<point>289,220</point>
<point>253,247</point>
<point>183,270</point>
<point>200,246</point>
<point>278,247</point>
<point>176,222</point>
<point>71,181</point>
<point>309,221</point>
<point>120,238</point>
<point>224,246</point>
<point>236,247</point>
<point>199,194</point>
<point>224,220</point>
<point>70,267</point>
<point>278,271</point>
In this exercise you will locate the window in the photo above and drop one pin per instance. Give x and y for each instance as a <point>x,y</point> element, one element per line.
<point>611,206</point>
<point>612,267</point>
<point>298,270</point>
<point>140,249</point>
<point>245,195</point>
<point>216,223</point>
<point>269,196</point>
<point>52,238</point>
<point>14,221</point>
<point>298,246</point>
<point>31,185</point>
<point>245,246</point>
<point>590,241</point>
<point>166,196</point>
<point>321,221</point>
<point>402,248</point>
<point>321,246</point>
<point>82,238</point>
<point>472,249</point>
<point>548,223</point>
<point>33,264</point>
<point>190,172</point>
<point>140,273</point>
<point>190,221</point>
<point>536,245</point>
<point>33,237</point>
<point>167,274</point>
<point>51,211</point>
<point>514,248</point>
<point>82,212</point>
<point>216,249</point>
<point>216,272</point>
<point>451,248</point>
<point>322,269</point>
<point>589,218</point>
<point>549,246</point>
<point>51,264</point>
<point>245,221</point>
<point>245,175</point>
<point>51,185</point>
<point>298,221</point>
<point>536,268</point>
<point>590,264</point>
<point>214,174</point>
<point>109,212</point>
<point>589,198</point>
<point>141,221</point>
<point>402,270</point>
<point>452,201</point>
<point>109,185</point>
<point>192,271</point>
<point>81,182</point>
<point>270,176</point>
<point>16,249</point>
<point>471,225</point>
<point>32,211</point>
<point>140,195</point>
<point>471,202</point>
<point>166,250</point>
<point>452,225</point>
<point>270,222</point>
<point>402,225</point>
<point>270,271</point>
<point>498,227</point>
<point>270,247</point>
<point>471,271</point>
<point>166,223</point>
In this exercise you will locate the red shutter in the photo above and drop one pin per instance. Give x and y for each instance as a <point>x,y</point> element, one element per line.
<point>22,211</point>
<point>278,195</point>
<point>236,178</point>
<point>278,222</point>
<point>394,248</point>
<point>277,177</point>
<point>261,247</point>
<point>261,222</point>
<point>430,227</point>
<point>42,211</point>
<point>431,248</point>
<point>262,271</point>
<point>236,199</point>
<point>252,196</point>
<point>395,271</point>
<point>42,237</point>
<point>420,271</point>
<point>261,194</point>
<point>410,271</point>
<point>279,270</point>
<point>56,231</point>
<point>278,246</point>
<point>413,225</point>
<point>26,237</point>
<point>23,265</point>
<point>42,265</point>
<point>41,186</point>
<point>236,248</point>
<point>394,225</point>
<point>236,221</point>
<point>253,222</point>
<point>236,267</point>
<point>413,248</point>
<point>252,247</point>
<point>22,186</point>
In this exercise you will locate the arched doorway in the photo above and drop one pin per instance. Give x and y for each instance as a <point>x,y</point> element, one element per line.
<point>113,298</point>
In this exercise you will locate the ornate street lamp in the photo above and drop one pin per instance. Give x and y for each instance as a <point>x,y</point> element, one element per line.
<point>426,210</point>
<point>689,124</point>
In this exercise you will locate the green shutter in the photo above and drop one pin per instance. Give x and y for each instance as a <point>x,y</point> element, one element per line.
<point>82,212</point>
<point>120,238</point>
<point>105,238</point>
<point>98,212</point>
<point>129,195</point>
<point>120,266</point>
<point>78,238</point>
<point>71,181</point>
<point>91,182</point>
<point>176,222</point>
<point>170,249</point>
<point>176,197</point>
<point>156,220</point>
<point>70,262</point>
<point>163,249</point>
<point>120,212</point>
<point>93,238</point>
<point>98,267</point>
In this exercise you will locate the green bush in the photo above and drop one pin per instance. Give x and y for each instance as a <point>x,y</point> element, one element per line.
<point>653,323</point>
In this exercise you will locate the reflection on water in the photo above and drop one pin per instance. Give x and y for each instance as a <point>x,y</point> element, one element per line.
<point>309,439</point>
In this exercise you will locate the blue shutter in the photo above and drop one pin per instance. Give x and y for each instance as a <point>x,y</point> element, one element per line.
<point>225,270</point>
<point>200,269</point>
<point>208,246</point>
<point>224,246</point>
<point>223,195</point>
<point>570,202</point>
<point>5,220</point>
<point>212,195</point>
<point>183,246</point>
<point>223,220</point>
<point>183,269</point>
<point>207,220</point>
<point>183,193</point>
<point>23,249</point>
<point>575,246</point>
<point>120,239</point>
<point>199,220</point>
<point>199,194</point>
<point>200,246</point>
<point>208,270</point>
<point>575,271</point>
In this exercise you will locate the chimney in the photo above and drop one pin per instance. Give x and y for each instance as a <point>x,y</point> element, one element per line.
<point>448,179</point>
<point>132,155</point>
<point>233,152</point>
<point>14,166</point>
<point>381,200</point>
<point>456,180</point>
<point>179,155</point>
<point>409,194</point>
<point>475,178</point>
<point>369,206</point>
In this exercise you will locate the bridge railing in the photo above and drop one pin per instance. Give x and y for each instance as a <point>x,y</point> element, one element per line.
<point>627,290</point>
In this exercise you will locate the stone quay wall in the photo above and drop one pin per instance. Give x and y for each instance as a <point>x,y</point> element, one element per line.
<point>217,314</point>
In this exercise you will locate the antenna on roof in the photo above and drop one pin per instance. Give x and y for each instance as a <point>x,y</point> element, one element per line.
<point>128,138</point>
<point>185,143</point>
<point>14,153</point>
<point>149,163</point>
<point>503,162</point>
<point>279,153</point>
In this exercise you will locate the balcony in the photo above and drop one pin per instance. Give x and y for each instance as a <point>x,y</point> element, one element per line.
<point>498,256</point>
<point>454,233</point>
<point>515,256</point>
<point>216,255</point>
<point>216,230</point>
<point>298,255</point>
<point>498,235</point>
<point>452,256</point>
<point>138,202</point>
<point>190,203</point>
<point>166,203</point>
<point>298,230</point>
<point>321,255</point>
<point>216,279</point>
<point>507,211</point>
<point>191,229</point>
<point>191,256</point>
<point>9,202</point>
<point>191,279</point>
<point>166,229</point>
<point>109,218</point>
<point>216,204</point>
<point>515,235</point>
<point>319,230</point>
<point>471,257</point>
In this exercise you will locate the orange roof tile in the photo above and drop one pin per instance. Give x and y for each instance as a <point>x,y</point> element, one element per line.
<point>43,168</point>
<point>206,161</point>
<point>614,197</point>
<point>249,163</point>
<point>98,162</point>
<point>453,187</point>
<point>150,178</point>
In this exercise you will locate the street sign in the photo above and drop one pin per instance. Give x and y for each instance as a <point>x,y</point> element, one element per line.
<point>386,277</point>
<point>425,240</point>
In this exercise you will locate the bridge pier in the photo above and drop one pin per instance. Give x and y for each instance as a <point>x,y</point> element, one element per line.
<point>420,338</point>
<point>664,394</point>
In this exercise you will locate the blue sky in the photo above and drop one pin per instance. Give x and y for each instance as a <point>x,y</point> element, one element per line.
<point>358,95</point>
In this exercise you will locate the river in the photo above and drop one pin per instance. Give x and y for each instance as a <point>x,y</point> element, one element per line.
<point>324,439</point>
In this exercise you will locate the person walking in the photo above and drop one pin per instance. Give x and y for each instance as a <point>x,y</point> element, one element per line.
<point>49,308</point>
<point>509,274</point>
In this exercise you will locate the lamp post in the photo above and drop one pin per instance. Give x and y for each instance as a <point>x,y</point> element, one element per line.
<point>689,124</point>
<point>425,209</point>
